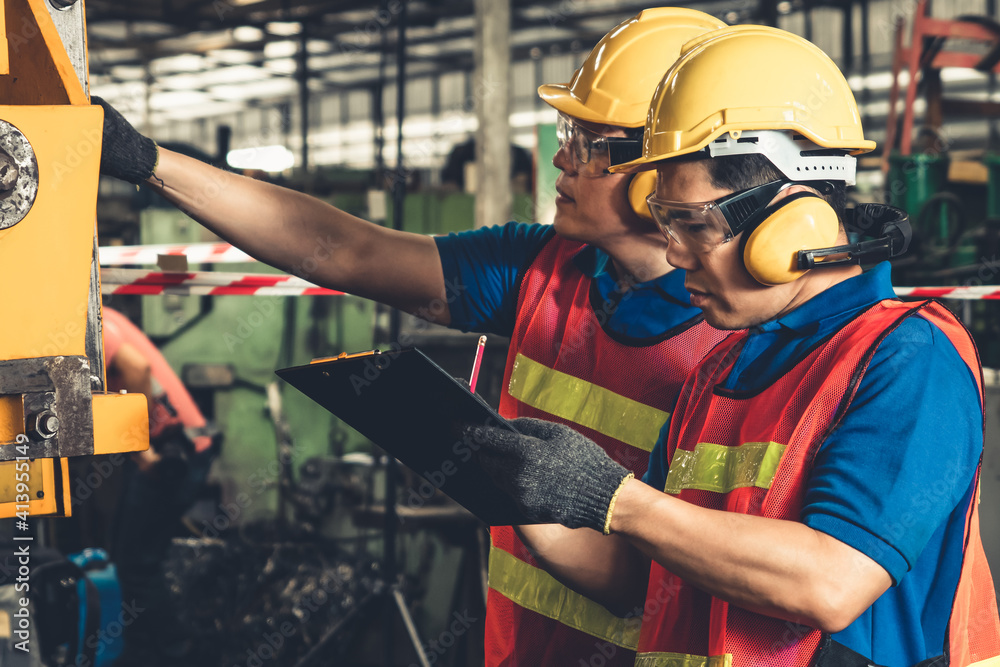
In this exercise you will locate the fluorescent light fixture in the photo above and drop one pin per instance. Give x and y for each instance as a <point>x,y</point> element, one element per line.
<point>318,46</point>
<point>204,110</point>
<point>185,62</point>
<point>227,76</point>
<point>265,89</point>
<point>272,159</point>
<point>146,29</point>
<point>232,56</point>
<point>282,49</point>
<point>281,65</point>
<point>284,28</point>
<point>247,33</point>
<point>174,99</point>
<point>128,72</point>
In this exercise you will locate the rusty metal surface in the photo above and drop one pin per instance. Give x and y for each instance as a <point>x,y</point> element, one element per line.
<point>95,331</point>
<point>68,18</point>
<point>58,386</point>
<point>16,200</point>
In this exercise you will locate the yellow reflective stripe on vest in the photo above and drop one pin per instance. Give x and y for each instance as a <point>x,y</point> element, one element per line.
<point>682,660</point>
<point>988,662</point>
<point>585,403</point>
<point>721,469</point>
<point>537,591</point>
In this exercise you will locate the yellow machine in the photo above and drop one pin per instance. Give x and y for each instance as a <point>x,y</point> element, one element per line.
<point>53,403</point>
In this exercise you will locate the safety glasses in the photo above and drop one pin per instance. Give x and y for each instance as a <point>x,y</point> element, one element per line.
<point>703,226</point>
<point>588,149</point>
<point>593,153</point>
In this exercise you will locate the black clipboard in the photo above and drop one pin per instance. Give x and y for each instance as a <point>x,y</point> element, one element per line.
<point>410,407</point>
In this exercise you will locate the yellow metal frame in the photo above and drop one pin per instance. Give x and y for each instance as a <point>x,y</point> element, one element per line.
<point>4,52</point>
<point>45,259</point>
<point>41,71</point>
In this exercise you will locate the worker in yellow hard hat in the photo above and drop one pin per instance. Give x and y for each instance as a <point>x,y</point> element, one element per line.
<point>583,300</point>
<point>814,498</point>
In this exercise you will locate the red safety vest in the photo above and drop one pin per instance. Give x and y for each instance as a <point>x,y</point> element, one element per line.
<point>751,453</point>
<point>563,367</point>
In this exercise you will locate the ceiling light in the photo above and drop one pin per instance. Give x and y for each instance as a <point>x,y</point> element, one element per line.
<point>268,88</point>
<point>284,49</point>
<point>271,159</point>
<point>177,98</point>
<point>185,62</point>
<point>246,33</point>
<point>233,56</point>
<point>284,28</point>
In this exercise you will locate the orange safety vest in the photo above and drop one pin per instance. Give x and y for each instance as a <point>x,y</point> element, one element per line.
<point>751,453</point>
<point>563,367</point>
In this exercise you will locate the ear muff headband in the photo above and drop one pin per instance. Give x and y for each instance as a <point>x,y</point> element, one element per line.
<point>642,185</point>
<point>796,223</point>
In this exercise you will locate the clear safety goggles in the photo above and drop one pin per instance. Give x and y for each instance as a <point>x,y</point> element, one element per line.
<point>588,149</point>
<point>703,226</point>
<point>593,153</point>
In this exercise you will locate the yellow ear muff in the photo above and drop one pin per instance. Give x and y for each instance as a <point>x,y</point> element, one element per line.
<point>802,221</point>
<point>643,184</point>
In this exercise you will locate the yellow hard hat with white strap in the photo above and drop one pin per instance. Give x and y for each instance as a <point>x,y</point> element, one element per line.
<point>760,90</point>
<point>749,78</point>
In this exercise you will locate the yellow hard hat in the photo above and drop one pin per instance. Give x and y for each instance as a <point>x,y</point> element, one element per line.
<point>615,83</point>
<point>743,79</point>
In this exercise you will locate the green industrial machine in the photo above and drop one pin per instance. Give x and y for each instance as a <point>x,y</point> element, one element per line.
<point>956,236</point>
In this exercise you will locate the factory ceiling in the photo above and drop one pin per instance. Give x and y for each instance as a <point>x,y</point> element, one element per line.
<point>205,55</point>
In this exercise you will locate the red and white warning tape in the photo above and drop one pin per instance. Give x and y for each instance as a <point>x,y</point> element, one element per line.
<point>206,283</point>
<point>196,253</point>
<point>213,283</point>
<point>987,292</point>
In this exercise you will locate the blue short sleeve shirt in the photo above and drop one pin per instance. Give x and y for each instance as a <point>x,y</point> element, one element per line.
<point>482,270</point>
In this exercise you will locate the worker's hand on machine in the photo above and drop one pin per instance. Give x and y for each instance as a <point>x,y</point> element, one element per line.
<point>553,473</point>
<point>125,154</point>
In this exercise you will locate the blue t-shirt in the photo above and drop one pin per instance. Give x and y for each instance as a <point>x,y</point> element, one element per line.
<point>895,480</point>
<point>483,269</point>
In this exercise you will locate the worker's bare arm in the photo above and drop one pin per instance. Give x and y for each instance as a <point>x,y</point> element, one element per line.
<point>133,372</point>
<point>305,236</point>
<point>605,568</point>
<point>780,568</point>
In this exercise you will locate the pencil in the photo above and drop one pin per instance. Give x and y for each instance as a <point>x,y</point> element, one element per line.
<point>478,362</point>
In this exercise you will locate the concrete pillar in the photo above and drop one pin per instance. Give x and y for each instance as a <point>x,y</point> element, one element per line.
<point>491,94</point>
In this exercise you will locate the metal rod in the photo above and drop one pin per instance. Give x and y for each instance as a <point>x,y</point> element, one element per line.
<point>411,629</point>
<point>303,77</point>
<point>378,108</point>
<point>847,37</point>
<point>891,127</point>
<point>398,205</point>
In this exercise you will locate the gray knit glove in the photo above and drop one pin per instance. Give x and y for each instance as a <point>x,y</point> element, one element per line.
<point>553,473</point>
<point>125,154</point>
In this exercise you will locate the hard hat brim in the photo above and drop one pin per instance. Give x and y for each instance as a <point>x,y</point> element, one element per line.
<point>561,98</point>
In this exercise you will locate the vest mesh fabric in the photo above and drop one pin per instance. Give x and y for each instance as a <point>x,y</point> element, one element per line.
<point>558,330</point>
